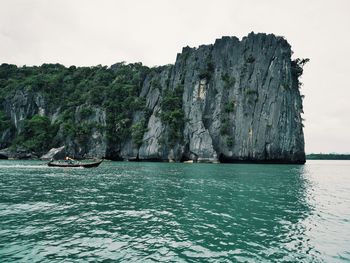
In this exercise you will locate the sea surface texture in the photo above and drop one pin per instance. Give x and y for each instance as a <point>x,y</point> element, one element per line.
<point>170,212</point>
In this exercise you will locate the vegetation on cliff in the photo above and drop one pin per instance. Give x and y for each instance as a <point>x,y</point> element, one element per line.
<point>116,89</point>
<point>172,114</point>
<point>38,134</point>
<point>4,121</point>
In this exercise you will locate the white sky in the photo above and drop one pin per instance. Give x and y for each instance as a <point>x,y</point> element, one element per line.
<point>91,32</point>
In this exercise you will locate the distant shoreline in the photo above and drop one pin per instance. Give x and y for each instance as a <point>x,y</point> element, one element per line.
<point>329,156</point>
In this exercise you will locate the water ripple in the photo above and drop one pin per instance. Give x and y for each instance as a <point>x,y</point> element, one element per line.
<point>155,212</point>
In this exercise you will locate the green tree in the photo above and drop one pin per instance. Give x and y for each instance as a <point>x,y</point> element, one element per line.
<point>38,134</point>
<point>172,113</point>
<point>4,121</point>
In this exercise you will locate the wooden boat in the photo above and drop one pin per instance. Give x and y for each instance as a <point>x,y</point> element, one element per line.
<point>75,164</point>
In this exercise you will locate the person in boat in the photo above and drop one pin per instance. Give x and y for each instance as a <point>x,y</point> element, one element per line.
<point>69,160</point>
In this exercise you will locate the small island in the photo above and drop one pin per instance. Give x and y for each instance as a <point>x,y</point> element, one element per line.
<point>237,100</point>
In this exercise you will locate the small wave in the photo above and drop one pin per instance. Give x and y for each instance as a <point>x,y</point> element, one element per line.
<point>24,166</point>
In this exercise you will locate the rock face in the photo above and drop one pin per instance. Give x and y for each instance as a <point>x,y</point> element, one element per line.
<point>240,102</point>
<point>22,105</point>
<point>54,153</point>
<point>17,153</point>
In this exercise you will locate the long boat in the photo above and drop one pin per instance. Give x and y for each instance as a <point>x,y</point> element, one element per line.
<point>74,165</point>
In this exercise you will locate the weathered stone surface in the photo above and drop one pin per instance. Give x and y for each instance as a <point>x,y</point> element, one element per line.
<point>241,103</point>
<point>96,146</point>
<point>54,153</point>
<point>17,153</point>
<point>152,148</point>
<point>6,138</point>
<point>3,156</point>
<point>24,105</point>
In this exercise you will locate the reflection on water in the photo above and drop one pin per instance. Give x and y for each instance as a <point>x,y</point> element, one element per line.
<point>174,212</point>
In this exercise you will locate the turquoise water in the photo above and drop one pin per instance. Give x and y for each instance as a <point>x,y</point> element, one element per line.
<point>150,212</point>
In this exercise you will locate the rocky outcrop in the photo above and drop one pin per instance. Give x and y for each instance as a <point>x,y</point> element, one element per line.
<point>17,153</point>
<point>54,153</point>
<point>240,102</point>
<point>24,105</point>
<point>3,156</point>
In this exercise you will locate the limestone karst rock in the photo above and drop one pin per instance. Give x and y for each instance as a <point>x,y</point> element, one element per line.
<point>235,100</point>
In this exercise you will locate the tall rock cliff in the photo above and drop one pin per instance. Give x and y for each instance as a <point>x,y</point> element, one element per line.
<point>235,100</point>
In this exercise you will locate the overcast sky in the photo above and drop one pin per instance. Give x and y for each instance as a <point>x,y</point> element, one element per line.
<point>87,32</point>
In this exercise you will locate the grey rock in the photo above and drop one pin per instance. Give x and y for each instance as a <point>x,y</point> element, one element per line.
<point>54,153</point>
<point>152,147</point>
<point>255,78</point>
<point>24,105</point>
<point>6,137</point>
<point>17,153</point>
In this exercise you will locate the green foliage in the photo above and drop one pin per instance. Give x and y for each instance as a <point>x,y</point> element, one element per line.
<point>116,89</point>
<point>252,95</point>
<point>120,105</point>
<point>69,129</point>
<point>285,86</point>
<point>67,114</point>
<point>230,141</point>
<point>156,84</point>
<point>172,113</point>
<point>250,59</point>
<point>244,70</point>
<point>251,91</point>
<point>137,131</point>
<point>210,65</point>
<point>80,131</point>
<point>298,64</point>
<point>207,72</point>
<point>225,126</point>
<point>297,69</point>
<point>83,131</point>
<point>86,112</point>
<point>38,134</point>
<point>228,81</point>
<point>229,107</point>
<point>225,77</point>
<point>204,74</point>
<point>4,121</point>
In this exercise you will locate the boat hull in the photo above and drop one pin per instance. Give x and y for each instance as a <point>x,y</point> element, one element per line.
<point>75,165</point>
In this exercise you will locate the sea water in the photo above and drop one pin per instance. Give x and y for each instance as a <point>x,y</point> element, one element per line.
<point>171,212</point>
